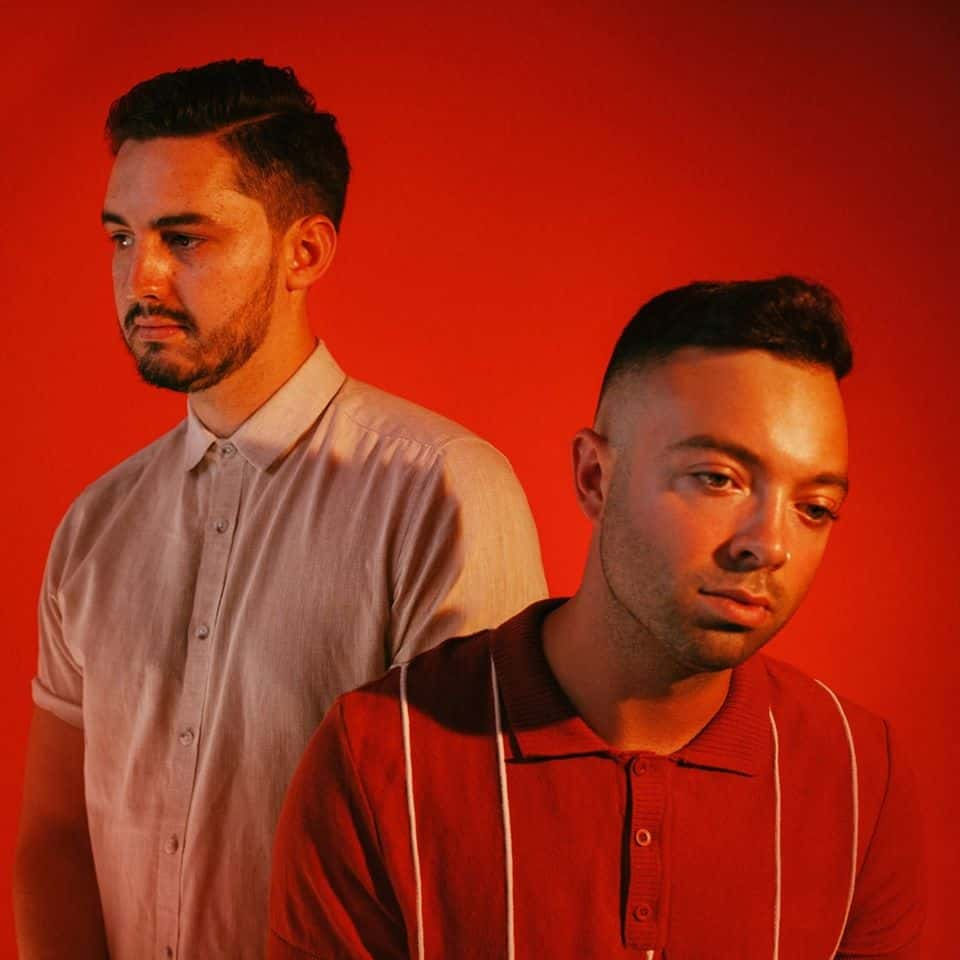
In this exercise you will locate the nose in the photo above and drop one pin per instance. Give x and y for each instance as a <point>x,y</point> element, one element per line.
<point>147,272</point>
<point>760,541</point>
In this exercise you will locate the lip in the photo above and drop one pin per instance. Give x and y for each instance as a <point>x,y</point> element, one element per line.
<point>737,606</point>
<point>157,331</point>
<point>741,596</point>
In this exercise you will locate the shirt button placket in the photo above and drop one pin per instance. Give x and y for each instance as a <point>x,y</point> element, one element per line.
<point>648,795</point>
<point>219,525</point>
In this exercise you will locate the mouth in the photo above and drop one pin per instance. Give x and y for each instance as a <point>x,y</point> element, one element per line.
<point>741,596</point>
<point>157,331</point>
<point>739,607</point>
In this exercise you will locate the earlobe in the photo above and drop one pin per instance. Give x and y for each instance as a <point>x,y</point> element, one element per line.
<point>592,462</point>
<point>309,247</point>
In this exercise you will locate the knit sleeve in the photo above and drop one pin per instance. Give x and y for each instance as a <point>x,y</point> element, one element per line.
<point>330,896</point>
<point>889,898</point>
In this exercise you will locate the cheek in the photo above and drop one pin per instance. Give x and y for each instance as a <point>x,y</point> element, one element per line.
<point>679,539</point>
<point>801,570</point>
<point>118,273</point>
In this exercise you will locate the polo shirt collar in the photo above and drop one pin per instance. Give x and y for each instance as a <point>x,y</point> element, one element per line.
<point>274,428</point>
<point>543,722</point>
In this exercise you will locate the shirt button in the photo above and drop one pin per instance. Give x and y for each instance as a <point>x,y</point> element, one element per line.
<point>642,911</point>
<point>640,767</point>
<point>168,952</point>
<point>186,737</point>
<point>643,838</point>
<point>172,844</point>
<point>203,631</point>
<point>228,449</point>
<point>221,525</point>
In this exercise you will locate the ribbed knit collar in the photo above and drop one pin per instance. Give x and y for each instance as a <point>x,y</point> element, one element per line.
<point>275,427</point>
<point>543,722</point>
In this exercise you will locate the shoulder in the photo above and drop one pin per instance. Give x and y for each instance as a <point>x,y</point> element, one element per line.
<point>832,730</point>
<point>448,685</point>
<point>814,701</point>
<point>95,503</point>
<point>391,418</point>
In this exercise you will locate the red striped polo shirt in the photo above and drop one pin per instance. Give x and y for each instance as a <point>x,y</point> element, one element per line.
<point>432,817</point>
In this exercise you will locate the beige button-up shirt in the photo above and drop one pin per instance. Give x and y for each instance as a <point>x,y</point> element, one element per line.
<point>206,600</point>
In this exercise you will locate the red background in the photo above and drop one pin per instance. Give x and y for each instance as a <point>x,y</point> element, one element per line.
<point>526,175</point>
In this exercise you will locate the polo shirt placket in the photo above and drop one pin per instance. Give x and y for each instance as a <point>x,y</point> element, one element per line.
<point>647,803</point>
<point>219,529</point>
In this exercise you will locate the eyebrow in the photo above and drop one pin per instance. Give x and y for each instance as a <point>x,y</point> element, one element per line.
<point>704,441</point>
<point>172,220</point>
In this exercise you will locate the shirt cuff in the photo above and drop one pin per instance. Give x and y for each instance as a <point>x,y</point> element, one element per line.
<point>66,710</point>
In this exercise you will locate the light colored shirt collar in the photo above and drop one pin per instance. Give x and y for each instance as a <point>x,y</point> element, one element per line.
<point>274,428</point>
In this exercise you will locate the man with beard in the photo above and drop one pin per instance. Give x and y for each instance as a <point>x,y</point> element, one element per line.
<point>623,774</point>
<point>205,601</point>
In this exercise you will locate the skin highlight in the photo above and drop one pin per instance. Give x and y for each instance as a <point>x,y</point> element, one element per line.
<point>712,480</point>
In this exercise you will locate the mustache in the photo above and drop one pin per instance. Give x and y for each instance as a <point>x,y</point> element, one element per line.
<point>157,310</point>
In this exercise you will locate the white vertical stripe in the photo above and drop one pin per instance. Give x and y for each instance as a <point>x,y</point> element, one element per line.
<point>504,810</point>
<point>776,837</point>
<point>411,807</point>
<point>855,779</point>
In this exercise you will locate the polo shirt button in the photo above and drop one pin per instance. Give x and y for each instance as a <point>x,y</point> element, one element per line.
<point>168,952</point>
<point>640,766</point>
<point>186,737</point>
<point>228,449</point>
<point>203,631</point>
<point>642,911</point>
<point>221,525</point>
<point>172,844</point>
<point>643,838</point>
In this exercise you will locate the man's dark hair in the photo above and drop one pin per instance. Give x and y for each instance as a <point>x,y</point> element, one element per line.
<point>289,156</point>
<point>797,319</point>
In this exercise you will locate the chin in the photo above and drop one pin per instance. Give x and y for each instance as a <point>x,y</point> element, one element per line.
<point>167,376</point>
<point>720,648</point>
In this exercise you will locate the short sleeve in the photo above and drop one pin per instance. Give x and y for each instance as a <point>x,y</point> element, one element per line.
<point>58,685</point>
<point>889,900</point>
<point>329,892</point>
<point>470,556</point>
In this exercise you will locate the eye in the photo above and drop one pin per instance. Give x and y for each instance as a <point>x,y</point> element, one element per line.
<point>714,481</point>
<point>182,241</point>
<point>121,240</point>
<point>818,514</point>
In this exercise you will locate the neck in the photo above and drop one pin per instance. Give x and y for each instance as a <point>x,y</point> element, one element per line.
<point>226,405</point>
<point>632,696</point>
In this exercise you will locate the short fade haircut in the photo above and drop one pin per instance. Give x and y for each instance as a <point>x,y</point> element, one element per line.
<point>799,320</point>
<point>289,155</point>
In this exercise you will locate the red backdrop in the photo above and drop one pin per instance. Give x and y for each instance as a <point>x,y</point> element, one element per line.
<point>525,176</point>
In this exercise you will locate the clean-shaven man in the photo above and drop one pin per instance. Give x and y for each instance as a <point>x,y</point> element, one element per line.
<point>624,773</point>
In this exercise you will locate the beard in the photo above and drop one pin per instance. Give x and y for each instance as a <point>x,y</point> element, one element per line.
<point>201,361</point>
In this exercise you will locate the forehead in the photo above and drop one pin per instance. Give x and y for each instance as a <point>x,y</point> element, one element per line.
<point>788,414</point>
<point>154,178</point>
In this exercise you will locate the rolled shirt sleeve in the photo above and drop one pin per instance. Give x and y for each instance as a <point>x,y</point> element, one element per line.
<point>58,685</point>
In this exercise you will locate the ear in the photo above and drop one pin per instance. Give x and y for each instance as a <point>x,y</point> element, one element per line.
<point>307,250</point>
<point>593,460</point>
